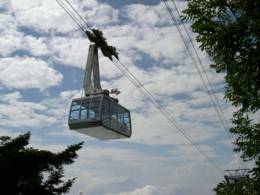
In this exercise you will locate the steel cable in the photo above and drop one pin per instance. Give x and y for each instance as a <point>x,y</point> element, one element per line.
<point>153,100</point>
<point>214,100</point>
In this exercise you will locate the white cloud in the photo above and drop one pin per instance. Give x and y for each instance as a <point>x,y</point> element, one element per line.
<point>7,132</point>
<point>28,72</point>
<point>144,14</point>
<point>50,112</point>
<point>157,42</point>
<point>43,16</point>
<point>97,13</point>
<point>189,153</point>
<point>47,16</point>
<point>7,21</point>
<point>69,51</point>
<point>129,170</point>
<point>171,190</point>
<point>11,97</point>
<point>146,190</point>
<point>36,46</point>
<point>11,40</point>
<point>18,113</point>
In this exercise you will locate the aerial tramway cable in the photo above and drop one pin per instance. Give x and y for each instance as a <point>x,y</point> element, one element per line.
<point>83,20</point>
<point>65,8</point>
<point>163,111</point>
<point>214,100</point>
<point>210,90</point>
<point>130,76</point>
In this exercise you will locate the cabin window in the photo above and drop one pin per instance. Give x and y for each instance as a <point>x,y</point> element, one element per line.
<point>86,109</point>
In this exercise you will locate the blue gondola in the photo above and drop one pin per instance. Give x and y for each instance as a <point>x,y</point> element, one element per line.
<point>96,113</point>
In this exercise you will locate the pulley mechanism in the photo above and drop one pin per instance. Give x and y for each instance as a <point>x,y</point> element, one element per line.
<point>96,36</point>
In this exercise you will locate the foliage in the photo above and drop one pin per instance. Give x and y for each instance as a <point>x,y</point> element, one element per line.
<point>25,170</point>
<point>241,187</point>
<point>229,31</point>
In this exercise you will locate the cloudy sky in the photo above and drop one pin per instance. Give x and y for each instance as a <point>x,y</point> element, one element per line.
<point>42,56</point>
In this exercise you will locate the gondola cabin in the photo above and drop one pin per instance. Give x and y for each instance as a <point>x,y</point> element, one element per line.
<point>100,116</point>
<point>96,113</point>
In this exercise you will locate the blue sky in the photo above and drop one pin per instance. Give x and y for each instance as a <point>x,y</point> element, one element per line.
<point>42,56</point>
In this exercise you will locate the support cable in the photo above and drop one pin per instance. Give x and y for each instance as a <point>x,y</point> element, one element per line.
<point>73,17</point>
<point>216,103</point>
<point>218,106</point>
<point>163,111</point>
<point>196,65</point>
<point>214,100</point>
<point>127,73</point>
<point>83,20</point>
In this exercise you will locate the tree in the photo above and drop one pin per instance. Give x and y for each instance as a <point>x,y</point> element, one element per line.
<point>229,31</point>
<point>240,187</point>
<point>25,170</point>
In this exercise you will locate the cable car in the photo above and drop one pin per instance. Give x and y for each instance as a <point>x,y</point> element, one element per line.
<point>97,114</point>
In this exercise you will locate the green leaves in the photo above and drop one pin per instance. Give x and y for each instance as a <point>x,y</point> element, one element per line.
<point>229,31</point>
<point>25,170</point>
<point>248,140</point>
<point>240,187</point>
<point>228,34</point>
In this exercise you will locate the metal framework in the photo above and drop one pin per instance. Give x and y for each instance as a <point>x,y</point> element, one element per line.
<point>91,78</point>
<point>235,175</point>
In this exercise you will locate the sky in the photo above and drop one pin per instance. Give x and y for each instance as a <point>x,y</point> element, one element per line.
<point>42,59</point>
